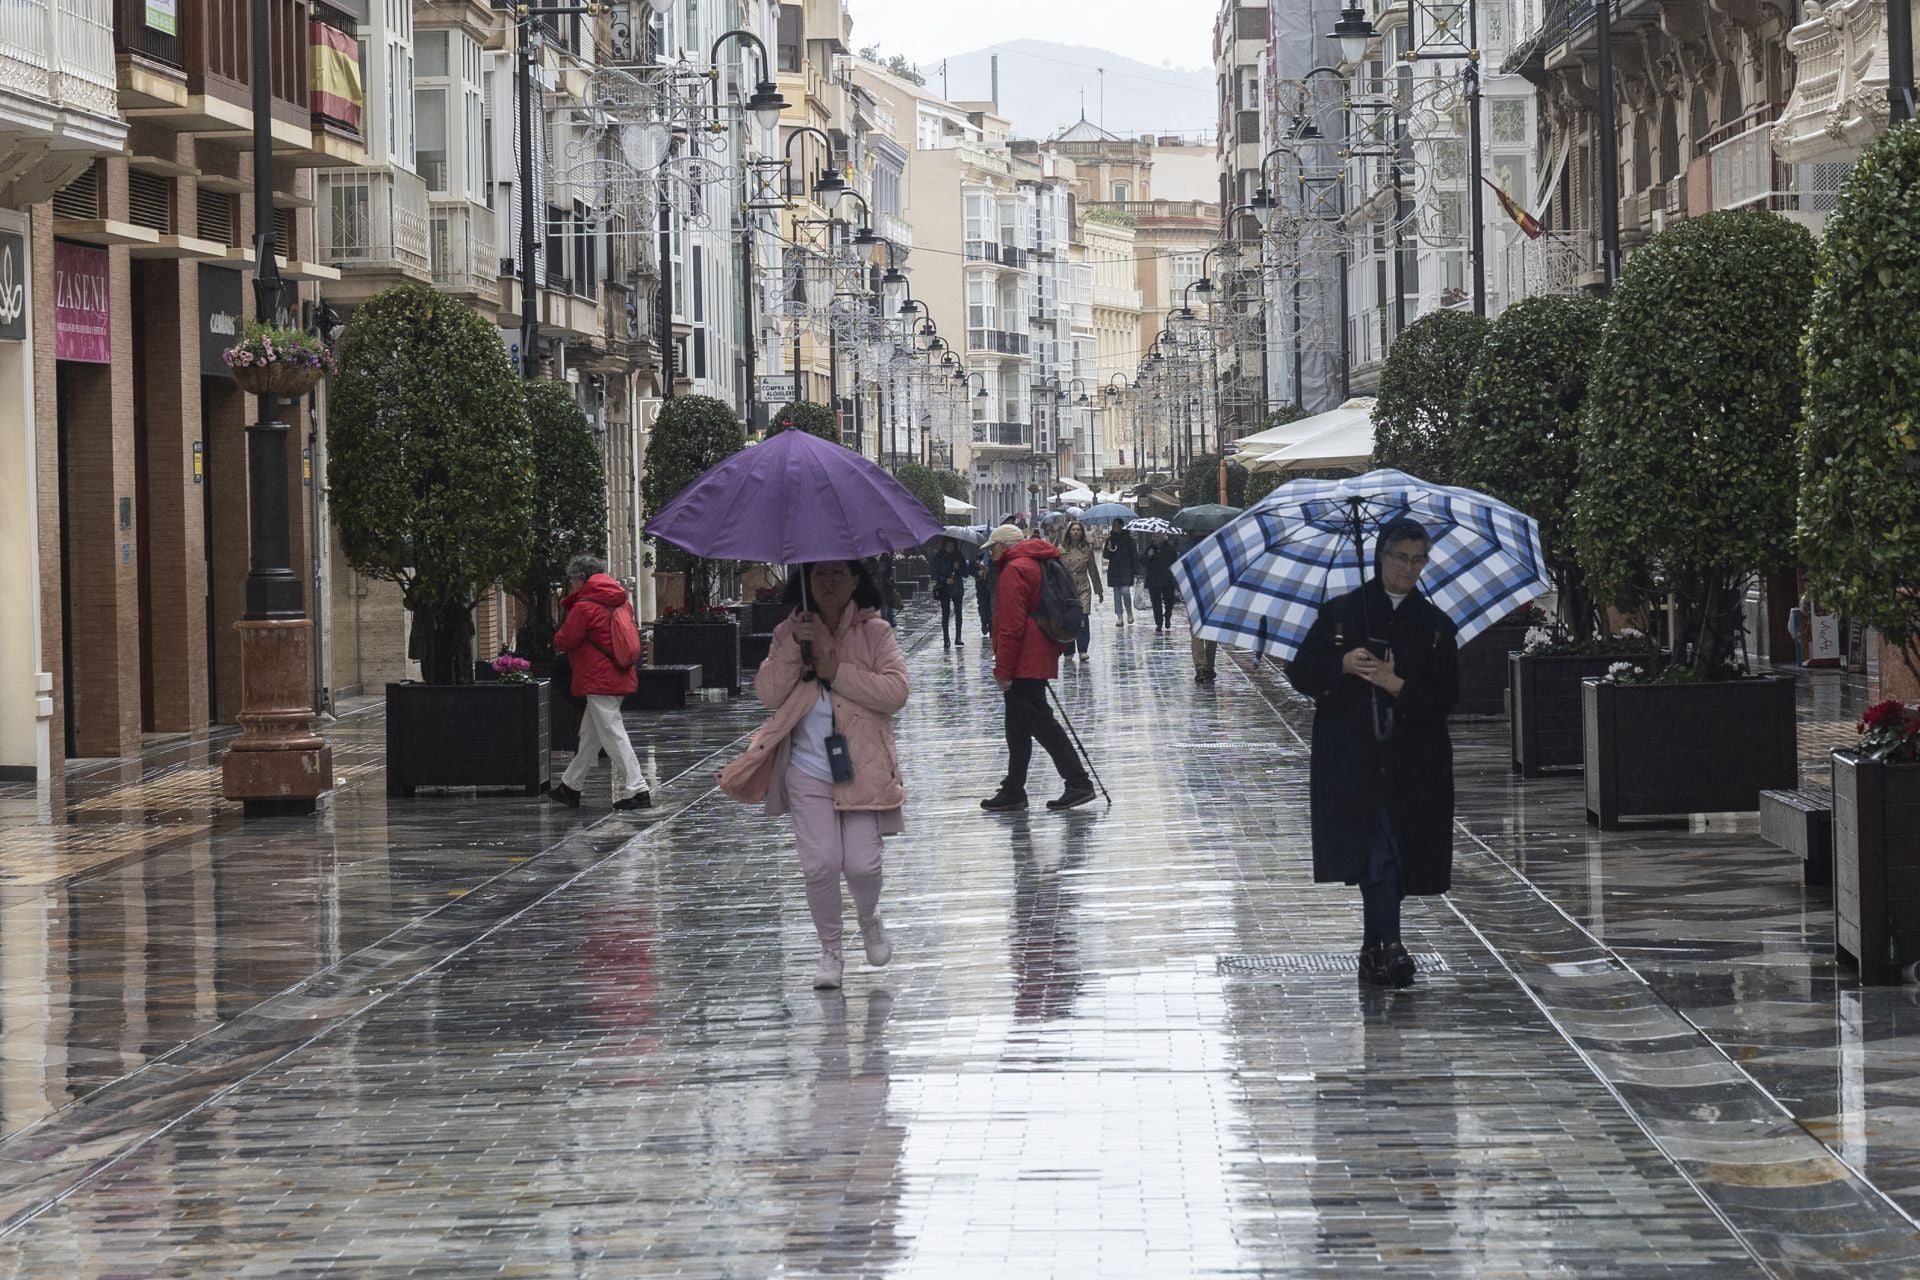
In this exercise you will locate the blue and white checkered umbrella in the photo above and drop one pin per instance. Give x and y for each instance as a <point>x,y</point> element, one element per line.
<point>1259,582</point>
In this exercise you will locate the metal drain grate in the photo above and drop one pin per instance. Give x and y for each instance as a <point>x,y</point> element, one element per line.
<point>1314,962</point>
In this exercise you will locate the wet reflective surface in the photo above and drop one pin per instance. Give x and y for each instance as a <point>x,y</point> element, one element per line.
<point>486,1036</point>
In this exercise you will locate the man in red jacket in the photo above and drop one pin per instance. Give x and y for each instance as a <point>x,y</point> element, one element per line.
<point>1024,659</point>
<point>595,604</point>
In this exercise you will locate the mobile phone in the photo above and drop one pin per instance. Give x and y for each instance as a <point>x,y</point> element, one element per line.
<point>839,762</point>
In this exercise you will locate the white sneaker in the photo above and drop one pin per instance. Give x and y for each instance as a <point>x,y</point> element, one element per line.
<point>879,946</point>
<point>826,976</point>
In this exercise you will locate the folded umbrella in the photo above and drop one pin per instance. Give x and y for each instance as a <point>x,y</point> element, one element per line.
<point>1260,580</point>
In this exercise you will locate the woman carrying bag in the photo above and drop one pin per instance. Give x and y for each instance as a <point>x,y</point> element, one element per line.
<point>1077,554</point>
<point>825,758</point>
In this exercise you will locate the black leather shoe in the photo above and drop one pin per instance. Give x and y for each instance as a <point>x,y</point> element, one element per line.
<point>1003,801</point>
<point>1373,965</point>
<point>1076,794</point>
<point>1398,965</point>
<point>639,800</point>
<point>561,793</point>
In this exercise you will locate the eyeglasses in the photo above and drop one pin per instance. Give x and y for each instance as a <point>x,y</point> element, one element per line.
<point>1405,561</point>
<point>836,571</point>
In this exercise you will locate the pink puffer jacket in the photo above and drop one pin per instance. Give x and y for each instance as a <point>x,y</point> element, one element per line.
<point>870,688</point>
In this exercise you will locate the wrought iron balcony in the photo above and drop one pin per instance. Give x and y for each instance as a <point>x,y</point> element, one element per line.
<point>373,220</point>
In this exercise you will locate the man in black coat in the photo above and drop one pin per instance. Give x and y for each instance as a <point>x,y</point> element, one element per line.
<point>1382,667</point>
<point>1122,559</point>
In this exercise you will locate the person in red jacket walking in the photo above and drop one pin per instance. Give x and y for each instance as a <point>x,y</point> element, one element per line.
<point>595,605</point>
<point>1024,659</point>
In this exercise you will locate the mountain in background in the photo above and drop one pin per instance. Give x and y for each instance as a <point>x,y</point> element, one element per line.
<point>1041,88</point>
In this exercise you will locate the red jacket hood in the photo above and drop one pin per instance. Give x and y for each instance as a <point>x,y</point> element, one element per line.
<point>601,589</point>
<point>1031,549</point>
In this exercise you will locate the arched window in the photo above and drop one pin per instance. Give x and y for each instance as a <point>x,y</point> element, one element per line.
<point>1642,153</point>
<point>1698,126</point>
<point>1669,141</point>
<point>1730,106</point>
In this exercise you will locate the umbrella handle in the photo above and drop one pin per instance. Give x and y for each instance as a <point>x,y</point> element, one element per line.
<point>806,612</point>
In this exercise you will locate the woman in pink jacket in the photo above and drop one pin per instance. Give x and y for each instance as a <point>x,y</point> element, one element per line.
<point>825,757</point>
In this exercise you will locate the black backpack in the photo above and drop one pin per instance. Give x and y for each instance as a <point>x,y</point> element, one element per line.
<point>1058,612</point>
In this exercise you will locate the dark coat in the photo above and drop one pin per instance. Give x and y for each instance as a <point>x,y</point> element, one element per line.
<point>1122,559</point>
<point>1156,565</point>
<point>949,571</point>
<point>1411,774</point>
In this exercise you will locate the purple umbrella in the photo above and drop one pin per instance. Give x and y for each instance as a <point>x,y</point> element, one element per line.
<point>794,499</point>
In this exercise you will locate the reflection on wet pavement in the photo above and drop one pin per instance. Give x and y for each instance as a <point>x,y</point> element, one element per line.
<point>456,1036</point>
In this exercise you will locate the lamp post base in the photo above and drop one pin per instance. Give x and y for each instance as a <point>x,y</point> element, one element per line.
<point>277,765</point>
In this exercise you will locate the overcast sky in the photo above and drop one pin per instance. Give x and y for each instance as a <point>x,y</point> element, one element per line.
<point>1158,32</point>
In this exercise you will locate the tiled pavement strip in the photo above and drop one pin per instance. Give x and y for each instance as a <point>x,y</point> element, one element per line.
<point>606,1061</point>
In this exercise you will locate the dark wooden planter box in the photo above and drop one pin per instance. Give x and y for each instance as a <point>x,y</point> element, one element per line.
<point>754,649</point>
<point>765,615</point>
<point>1663,749</point>
<point>1543,698</point>
<point>1876,866</point>
<point>907,590</point>
<point>491,736</point>
<point>1483,669</point>
<point>661,688</point>
<point>714,647</point>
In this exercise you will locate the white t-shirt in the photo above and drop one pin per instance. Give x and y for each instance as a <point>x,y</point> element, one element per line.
<point>1400,599</point>
<point>809,740</point>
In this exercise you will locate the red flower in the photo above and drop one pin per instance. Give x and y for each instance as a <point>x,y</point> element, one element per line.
<point>1882,713</point>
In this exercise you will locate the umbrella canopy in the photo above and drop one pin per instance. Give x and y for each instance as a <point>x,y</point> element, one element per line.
<point>1205,518</point>
<point>792,500</point>
<point>1260,581</point>
<point>1153,524</point>
<point>1261,443</point>
<point>1073,497</point>
<point>954,506</point>
<point>1105,512</point>
<point>1345,444</point>
<point>968,534</point>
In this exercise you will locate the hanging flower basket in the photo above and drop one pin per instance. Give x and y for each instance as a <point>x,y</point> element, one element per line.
<point>277,362</point>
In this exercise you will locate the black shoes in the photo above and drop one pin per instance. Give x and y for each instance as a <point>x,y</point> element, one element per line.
<point>1387,965</point>
<point>1398,964</point>
<point>1004,801</point>
<point>961,641</point>
<point>638,800</point>
<point>561,793</point>
<point>1076,794</point>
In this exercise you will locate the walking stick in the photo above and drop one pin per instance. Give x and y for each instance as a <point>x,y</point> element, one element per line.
<point>1079,745</point>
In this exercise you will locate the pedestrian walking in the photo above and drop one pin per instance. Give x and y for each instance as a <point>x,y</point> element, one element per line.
<point>1122,559</point>
<point>825,757</point>
<point>881,567</point>
<point>1024,661</point>
<point>1382,668</point>
<point>602,645</point>
<point>1205,652</point>
<point>1156,567</point>
<point>950,566</point>
<point>1077,554</point>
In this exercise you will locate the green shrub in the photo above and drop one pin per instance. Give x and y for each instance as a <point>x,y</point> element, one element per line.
<point>691,435</point>
<point>569,508</point>
<point>1686,451</point>
<point>814,419</point>
<point>1859,534</point>
<point>924,484</point>
<point>1525,400</point>
<point>1200,483</point>
<point>1420,414</point>
<point>430,465</point>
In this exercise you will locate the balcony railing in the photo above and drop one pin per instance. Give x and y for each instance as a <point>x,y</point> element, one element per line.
<point>896,230</point>
<point>1553,264</point>
<point>461,247</point>
<point>1745,172</point>
<point>1117,299</point>
<point>999,340</point>
<point>983,251</point>
<point>60,51</point>
<point>374,219</point>
<point>1012,255</point>
<point>1004,435</point>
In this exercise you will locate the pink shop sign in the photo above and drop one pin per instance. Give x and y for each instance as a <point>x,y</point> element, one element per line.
<point>82,325</point>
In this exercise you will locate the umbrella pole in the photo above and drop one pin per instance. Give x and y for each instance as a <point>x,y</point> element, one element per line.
<point>806,612</point>
<point>1382,717</point>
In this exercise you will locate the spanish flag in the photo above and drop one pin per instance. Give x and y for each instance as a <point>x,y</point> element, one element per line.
<point>335,75</point>
<point>1521,218</point>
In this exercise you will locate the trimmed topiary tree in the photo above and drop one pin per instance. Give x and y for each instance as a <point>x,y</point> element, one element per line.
<point>1859,535</point>
<point>430,465</point>
<point>1686,453</point>
<point>805,415</point>
<point>1200,482</point>
<point>569,509</point>
<point>691,435</point>
<point>924,484</point>
<point>952,484</point>
<point>1420,414</point>
<point>1525,400</point>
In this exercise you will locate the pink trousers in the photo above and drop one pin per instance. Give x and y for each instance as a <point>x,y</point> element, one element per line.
<point>831,845</point>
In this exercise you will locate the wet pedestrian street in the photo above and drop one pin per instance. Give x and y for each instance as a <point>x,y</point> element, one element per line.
<point>459,1036</point>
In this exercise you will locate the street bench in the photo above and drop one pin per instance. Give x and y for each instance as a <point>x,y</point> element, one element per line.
<point>662,688</point>
<point>1801,822</point>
